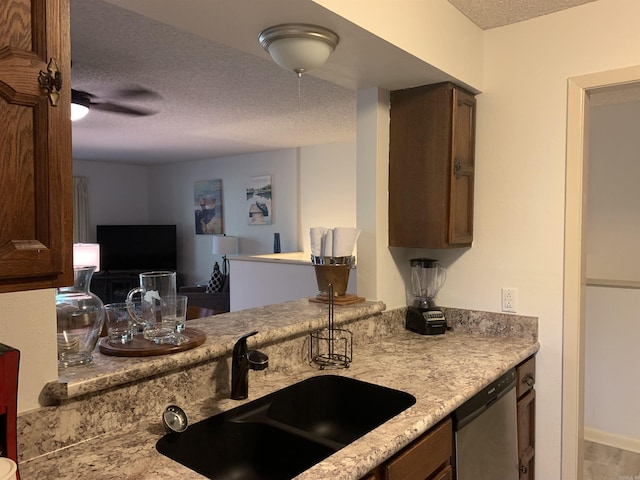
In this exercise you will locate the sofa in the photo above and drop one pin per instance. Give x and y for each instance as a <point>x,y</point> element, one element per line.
<point>198,297</point>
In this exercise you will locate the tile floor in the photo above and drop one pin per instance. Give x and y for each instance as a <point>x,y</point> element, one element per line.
<point>602,462</point>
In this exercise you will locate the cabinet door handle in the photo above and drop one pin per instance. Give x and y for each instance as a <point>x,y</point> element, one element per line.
<point>529,379</point>
<point>459,170</point>
<point>51,81</point>
<point>523,469</point>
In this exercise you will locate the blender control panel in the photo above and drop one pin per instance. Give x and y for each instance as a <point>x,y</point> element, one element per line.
<point>431,315</point>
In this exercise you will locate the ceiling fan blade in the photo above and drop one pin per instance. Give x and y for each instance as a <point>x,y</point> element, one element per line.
<point>122,109</point>
<point>132,92</point>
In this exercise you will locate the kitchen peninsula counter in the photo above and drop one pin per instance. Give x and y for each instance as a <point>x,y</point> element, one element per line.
<point>440,371</point>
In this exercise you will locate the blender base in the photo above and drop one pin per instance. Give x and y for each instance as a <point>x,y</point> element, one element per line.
<point>425,321</point>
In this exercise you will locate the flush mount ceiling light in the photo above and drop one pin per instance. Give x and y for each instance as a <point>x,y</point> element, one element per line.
<point>298,46</point>
<point>79,105</point>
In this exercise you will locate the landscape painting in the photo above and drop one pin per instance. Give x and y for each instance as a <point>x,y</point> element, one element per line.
<point>259,200</point>
<point>208,207</point>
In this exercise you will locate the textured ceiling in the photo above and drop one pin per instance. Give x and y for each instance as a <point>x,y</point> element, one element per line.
<point>497,13</point>
<point>218,92</point>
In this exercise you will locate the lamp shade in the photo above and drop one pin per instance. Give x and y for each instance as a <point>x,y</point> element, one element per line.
<point>298,47</point>
<point>86,255</point>
<point>224,245</point>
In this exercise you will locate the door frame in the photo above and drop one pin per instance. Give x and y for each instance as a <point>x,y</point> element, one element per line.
<point>574,260</point>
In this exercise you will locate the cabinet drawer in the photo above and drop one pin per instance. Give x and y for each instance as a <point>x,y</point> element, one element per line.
<point>526,376</point>
<point>423,457</point>
<point>445,474</point>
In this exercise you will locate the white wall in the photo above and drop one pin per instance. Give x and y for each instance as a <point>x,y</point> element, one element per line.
<point>118,193</point>
<point>521,144</point>
<point>612,380</point>
<point>613,226</point>
<point>311,186</point>
<point>28,323</point>
<point>432,30</point>
<point>171,201</point>
<point>327,188</point>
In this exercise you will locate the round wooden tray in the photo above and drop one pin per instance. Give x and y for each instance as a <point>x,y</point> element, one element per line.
<point>346,299</point>
<point>140,347</point>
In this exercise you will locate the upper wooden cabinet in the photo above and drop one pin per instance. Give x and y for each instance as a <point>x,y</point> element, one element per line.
<point>36,224</point>
<point>431,167</point>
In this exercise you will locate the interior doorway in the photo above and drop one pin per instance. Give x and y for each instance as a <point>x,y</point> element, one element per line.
<point>579,89</point>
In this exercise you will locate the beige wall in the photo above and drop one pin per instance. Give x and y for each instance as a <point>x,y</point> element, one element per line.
<point>432,30</point>
<point>28,323</point>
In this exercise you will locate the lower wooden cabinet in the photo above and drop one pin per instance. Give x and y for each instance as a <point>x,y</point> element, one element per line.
<point>427,458</point>
<point>526,418</point>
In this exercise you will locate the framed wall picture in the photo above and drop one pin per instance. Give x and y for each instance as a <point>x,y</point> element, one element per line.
<point>259,208</point>
<point>207,197</point>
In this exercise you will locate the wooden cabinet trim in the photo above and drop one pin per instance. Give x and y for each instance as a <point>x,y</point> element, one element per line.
<point>526,413</point>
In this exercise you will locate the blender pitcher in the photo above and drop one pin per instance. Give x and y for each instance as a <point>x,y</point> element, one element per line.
<point>427,278</point>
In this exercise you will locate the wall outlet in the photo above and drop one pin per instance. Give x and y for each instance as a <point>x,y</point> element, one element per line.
<point>510,300</point>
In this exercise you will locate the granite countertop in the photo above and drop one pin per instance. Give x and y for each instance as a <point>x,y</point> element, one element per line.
<point>274,323</point>
<point>440,371</point>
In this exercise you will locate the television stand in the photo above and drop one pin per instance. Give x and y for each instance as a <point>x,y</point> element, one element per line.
<point>113,287</point>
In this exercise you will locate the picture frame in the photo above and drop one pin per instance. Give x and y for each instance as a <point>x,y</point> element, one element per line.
<point>208,212</point>
<point>259,196</point>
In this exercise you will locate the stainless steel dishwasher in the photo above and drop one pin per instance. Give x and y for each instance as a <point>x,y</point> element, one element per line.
<point>486,435</point>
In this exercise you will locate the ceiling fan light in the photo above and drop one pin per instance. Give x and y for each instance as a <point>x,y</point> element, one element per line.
<point>78,111</point>
<point>79,105</point>
<point>299,47</point>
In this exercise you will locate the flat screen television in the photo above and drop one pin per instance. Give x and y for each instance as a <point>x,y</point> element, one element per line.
<point>137,247</point>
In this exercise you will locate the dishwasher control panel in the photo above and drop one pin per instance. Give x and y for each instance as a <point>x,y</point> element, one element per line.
<point>484,398</point>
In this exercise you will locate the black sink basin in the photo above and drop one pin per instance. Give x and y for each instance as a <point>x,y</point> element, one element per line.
<point>226,450</point>
<point>282,434</point>
<point>337,408</point>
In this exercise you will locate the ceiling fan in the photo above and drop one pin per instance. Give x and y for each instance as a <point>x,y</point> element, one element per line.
<point>113,102</point>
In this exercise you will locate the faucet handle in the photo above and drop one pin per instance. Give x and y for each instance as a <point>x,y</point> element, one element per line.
<point>240,347</point>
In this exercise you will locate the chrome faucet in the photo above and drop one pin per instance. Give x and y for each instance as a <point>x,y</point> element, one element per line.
<point>242,361</point>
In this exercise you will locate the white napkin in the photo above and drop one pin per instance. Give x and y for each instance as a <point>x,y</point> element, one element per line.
<point>334,242</point>
<point>344,241</point>
<point>317,240</point>
<point>327,243</point>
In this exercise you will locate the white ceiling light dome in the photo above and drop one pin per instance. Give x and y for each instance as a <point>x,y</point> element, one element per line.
<point>299,46</point>
<point>79,105</point>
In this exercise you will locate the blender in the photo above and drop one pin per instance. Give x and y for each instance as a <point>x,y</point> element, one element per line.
<point>427,278</point>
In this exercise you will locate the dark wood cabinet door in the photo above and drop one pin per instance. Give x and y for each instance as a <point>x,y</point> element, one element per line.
<point>35,147</point>
<point>462,176</point>
<point>431,167</point>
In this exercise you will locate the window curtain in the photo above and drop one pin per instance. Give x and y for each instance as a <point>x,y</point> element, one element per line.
<point>80,210</point>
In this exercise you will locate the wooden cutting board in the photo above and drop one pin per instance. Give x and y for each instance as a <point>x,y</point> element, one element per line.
<point>139,347</point>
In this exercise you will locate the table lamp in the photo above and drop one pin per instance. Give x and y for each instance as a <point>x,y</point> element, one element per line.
<point>224,245</point>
